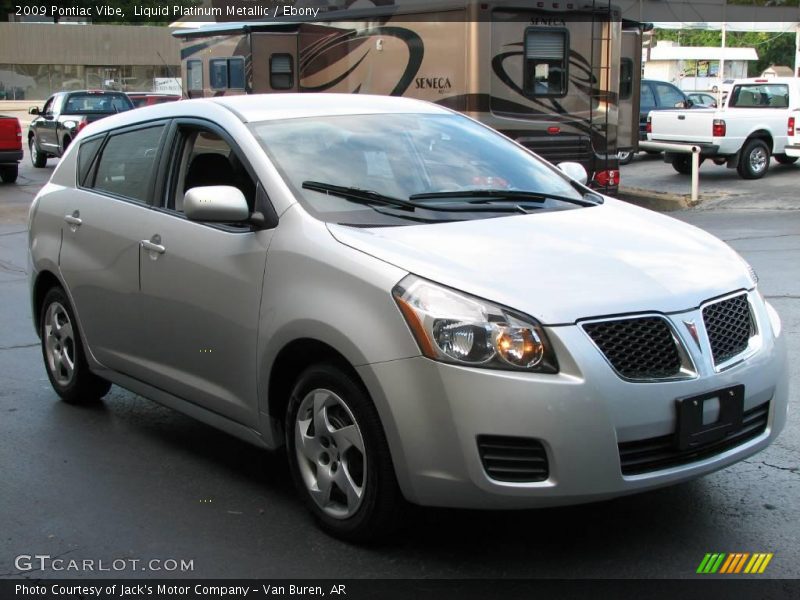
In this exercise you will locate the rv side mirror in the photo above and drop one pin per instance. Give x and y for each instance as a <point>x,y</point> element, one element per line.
<point>33,110</point>
<point>574,171</point>
<point>216,203</point>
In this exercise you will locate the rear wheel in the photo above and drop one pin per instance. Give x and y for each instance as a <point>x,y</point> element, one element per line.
<point>9,173</point>
<point>38,158</point>
<point>783,159</point>
<point>339,458</point>
<point>682,163</point>
<point>754,160</point>
<point>63,354</point>
<point>625,158</point>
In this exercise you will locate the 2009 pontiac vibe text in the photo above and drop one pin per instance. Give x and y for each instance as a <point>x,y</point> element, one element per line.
<point>419,309</point>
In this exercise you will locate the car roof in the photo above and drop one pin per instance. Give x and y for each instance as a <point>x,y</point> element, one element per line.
<point>268,107</point>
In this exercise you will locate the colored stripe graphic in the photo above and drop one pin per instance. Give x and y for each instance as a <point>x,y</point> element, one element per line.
<point>722,563</point>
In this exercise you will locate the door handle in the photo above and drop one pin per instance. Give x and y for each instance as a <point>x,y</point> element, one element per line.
<point>73,219</point>
<point>681,117</point>
<point>153,245</point>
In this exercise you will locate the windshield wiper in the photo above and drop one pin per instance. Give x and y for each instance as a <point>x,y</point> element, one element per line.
<point>492,195</point>
<point>370,197</point>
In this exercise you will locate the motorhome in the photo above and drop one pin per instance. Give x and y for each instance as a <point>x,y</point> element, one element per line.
<point>546,74</point>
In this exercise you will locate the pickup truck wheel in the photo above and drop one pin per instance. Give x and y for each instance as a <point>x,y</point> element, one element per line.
<point>785,160</point>
<point>754,160</point>
<point>339,458</point>
<point>8,173</point>
<point>625,158</point>
<point>38,158</point>
<point>682,163</point>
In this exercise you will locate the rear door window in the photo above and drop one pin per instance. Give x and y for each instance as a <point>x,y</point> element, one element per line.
<point>128,162</point>
<point>668,96</point>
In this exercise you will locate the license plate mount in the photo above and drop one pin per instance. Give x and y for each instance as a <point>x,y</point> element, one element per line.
<point>691,431</point>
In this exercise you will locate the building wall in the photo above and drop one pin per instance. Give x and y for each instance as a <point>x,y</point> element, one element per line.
<point>38,59</point>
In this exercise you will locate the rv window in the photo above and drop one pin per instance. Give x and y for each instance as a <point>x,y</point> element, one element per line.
<point>281,72</point>
<point>546,62</point>
<point>194,75</point>
<point>218,73</point>
<point>226,73</point>
<point>625,79</point>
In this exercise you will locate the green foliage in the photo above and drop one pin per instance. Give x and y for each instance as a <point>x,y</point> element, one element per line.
<point>772,48</point>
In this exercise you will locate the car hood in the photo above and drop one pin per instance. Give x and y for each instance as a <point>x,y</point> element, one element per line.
<point>563,266</point>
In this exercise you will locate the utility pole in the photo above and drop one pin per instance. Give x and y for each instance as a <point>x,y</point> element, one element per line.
<point>722,56</point>
<point>797,51</point>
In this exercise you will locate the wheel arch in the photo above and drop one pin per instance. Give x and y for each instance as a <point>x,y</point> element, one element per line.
<point>45,281</point>
<point>762,134</point>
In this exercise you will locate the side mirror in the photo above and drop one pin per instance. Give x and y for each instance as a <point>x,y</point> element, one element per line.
<point>220,203</point>
<point>33,110</point>
<point>574,171</point>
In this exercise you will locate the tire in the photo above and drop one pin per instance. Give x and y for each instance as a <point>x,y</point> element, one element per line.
<point>67,141</point>
<point>785,160</point>
<point>38,158</point>
<point>682,163</point>
<point>62,351</point>
<point>9,173</point>
<point>356,460</point>
<point>625,158</point>
<point>720,161</point>
<point>754,160</point>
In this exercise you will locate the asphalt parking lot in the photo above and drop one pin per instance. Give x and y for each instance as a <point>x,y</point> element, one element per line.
<point>130,479</point>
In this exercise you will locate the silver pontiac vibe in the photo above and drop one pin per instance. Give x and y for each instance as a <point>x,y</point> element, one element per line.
<point>420,309</point>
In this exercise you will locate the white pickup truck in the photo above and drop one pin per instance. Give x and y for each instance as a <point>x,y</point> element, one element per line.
<point>793,129</point>
<point>751,127</point>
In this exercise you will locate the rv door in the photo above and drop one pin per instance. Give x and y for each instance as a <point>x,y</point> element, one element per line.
<point>274,62</point>
<point>630,82</point>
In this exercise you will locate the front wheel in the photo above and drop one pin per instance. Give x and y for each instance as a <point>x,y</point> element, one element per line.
<point>38,158</point>
<point>754,160</point>
<point>63,354</point>
<point>783,159</point>
<point>339,457</point>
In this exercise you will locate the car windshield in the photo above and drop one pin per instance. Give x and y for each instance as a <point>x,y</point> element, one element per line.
<point>96,103</point>
<point>400,169</point>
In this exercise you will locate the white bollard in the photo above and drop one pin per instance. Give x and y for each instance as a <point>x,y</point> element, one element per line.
<point>695,174</point>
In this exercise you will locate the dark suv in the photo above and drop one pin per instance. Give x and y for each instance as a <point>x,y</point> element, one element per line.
<point>64,115</point>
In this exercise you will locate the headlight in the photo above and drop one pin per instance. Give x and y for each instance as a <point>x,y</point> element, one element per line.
<point>454,327</point>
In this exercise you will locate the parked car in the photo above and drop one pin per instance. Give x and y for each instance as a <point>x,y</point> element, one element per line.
<point>744,134</point>
<point>63,116</point>
<point>654,95</point>
<point>10,148</point>
<point>418,308</point>
<point>140,99</point>
<point>702,99</point>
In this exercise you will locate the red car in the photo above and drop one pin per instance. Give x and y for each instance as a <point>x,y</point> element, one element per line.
<point>10,148</point>
<point>140,99</point>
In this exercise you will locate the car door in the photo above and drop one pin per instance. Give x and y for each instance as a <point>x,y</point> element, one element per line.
<point>647,102</point>
<point>45,126</point>
<point>201,283</point>
<point>105,217</point>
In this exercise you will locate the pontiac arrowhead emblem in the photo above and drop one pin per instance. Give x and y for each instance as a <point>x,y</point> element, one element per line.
<point>693,332</point>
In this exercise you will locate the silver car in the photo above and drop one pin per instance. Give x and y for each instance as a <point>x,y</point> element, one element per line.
<point>420,309</point>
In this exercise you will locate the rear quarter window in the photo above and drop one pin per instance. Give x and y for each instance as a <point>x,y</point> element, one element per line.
<point>86,155</point>
<point>760,96</point>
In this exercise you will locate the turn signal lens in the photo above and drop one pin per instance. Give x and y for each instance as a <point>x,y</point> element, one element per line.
<point>454,327</point>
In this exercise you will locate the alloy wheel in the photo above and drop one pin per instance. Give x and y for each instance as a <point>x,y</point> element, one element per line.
<point>758,159</point>
<point>59,340</point>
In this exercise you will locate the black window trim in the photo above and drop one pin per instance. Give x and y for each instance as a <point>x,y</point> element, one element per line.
<point>202,75</point>
<point>92,173</point>
<point>291,63</point>
<point>166,172</point>
<point>530,92</point>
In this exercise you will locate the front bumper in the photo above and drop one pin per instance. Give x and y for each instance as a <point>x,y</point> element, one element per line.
<point>433,413</point>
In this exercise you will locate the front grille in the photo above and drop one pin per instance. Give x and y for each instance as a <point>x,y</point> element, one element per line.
<point>516,459</point>
<point>730,326</point>
<point>637,348</point>
<point>653,454</point>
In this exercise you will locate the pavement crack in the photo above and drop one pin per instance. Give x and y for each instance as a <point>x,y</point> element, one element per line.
<point>783,297</point>
<point>19,346</point>
<point>10,267</point>
<point>790,469</point>
<point>762,237</point>
<point>13,232</point>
